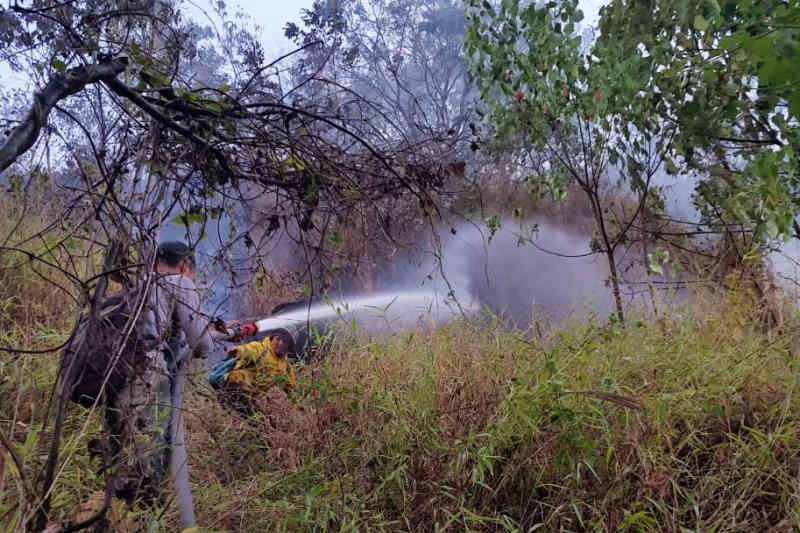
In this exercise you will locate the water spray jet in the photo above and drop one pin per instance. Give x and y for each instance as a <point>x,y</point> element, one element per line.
<point>381,313</point>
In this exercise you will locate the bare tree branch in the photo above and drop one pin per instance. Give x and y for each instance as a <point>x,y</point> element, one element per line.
<point>60,87</point>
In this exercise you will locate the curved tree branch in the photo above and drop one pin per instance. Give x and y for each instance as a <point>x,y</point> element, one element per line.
<point>59,87</point>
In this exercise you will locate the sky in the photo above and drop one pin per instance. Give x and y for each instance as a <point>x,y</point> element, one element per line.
<point>270,15</point>
<point>273,15</point>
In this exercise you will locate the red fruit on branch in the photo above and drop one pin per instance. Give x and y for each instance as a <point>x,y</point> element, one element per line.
<point>520,94</point>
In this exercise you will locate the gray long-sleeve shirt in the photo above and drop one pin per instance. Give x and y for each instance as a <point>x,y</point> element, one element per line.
<point>190,327</point>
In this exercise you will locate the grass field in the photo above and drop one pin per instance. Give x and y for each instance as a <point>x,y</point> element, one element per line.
<point>687,422</point>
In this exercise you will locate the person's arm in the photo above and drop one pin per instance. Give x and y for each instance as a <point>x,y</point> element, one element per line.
<point>190,318</point>
<point>249,352</point>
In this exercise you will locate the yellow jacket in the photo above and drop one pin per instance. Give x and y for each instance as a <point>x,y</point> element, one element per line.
<point>257,368</point>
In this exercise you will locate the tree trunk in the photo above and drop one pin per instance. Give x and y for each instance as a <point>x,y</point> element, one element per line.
<point>608,249</point>
<point>612,269</point>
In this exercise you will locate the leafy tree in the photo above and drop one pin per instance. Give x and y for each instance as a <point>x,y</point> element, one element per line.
<point>549,96</point>
<point>722,72</point>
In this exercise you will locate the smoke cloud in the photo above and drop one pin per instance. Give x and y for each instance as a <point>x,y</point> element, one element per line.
<point>516,278</point>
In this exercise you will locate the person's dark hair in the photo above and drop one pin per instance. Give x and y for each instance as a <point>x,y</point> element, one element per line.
<point>173,252</point>
<point>285,336</point>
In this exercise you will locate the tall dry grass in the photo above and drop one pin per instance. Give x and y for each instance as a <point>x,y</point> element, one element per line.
<point>687,421</point>
<point>690,424</point>
<point>41,256</point>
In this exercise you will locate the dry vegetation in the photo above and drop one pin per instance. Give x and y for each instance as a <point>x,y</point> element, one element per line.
<point>686,422</point>
<point>37,309</point>
<point>690,422</point>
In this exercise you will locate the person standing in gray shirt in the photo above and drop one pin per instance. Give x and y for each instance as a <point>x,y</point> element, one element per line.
<point>147,423</point>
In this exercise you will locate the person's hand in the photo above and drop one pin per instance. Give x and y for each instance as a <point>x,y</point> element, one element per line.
<point>241,329</point>
<point>217,324</point>
<point>233,351</point>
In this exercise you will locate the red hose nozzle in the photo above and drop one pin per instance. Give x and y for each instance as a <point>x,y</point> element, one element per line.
<point>244,331</point>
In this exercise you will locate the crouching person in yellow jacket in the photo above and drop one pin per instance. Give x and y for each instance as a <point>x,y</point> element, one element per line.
<point>259,365</point>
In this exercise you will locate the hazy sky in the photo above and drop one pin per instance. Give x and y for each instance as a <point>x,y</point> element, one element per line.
<point>272,16</point>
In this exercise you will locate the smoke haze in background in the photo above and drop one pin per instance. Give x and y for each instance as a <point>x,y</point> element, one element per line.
<point>519,280</point>
<point>516,280</point>
<point>513,279</point>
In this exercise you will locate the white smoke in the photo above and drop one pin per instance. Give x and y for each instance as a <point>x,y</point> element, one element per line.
<point>517,278</point>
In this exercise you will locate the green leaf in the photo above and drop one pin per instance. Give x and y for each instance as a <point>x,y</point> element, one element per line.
<point>661,408</point>
<point>493,224</point>
<point>58,65</point>
<point>335,239</point>
<point>794,104</point>
<point>656,261</point>
<point>187,218</point>
<point>700,23</point>
<point>305,290</point>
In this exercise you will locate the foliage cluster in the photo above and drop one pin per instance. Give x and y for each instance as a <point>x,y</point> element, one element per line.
<point>720,71</point>
<point>708,85</point>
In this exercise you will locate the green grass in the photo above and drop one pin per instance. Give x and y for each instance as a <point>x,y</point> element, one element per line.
<point>681,423</point>
<point>689,424</point>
